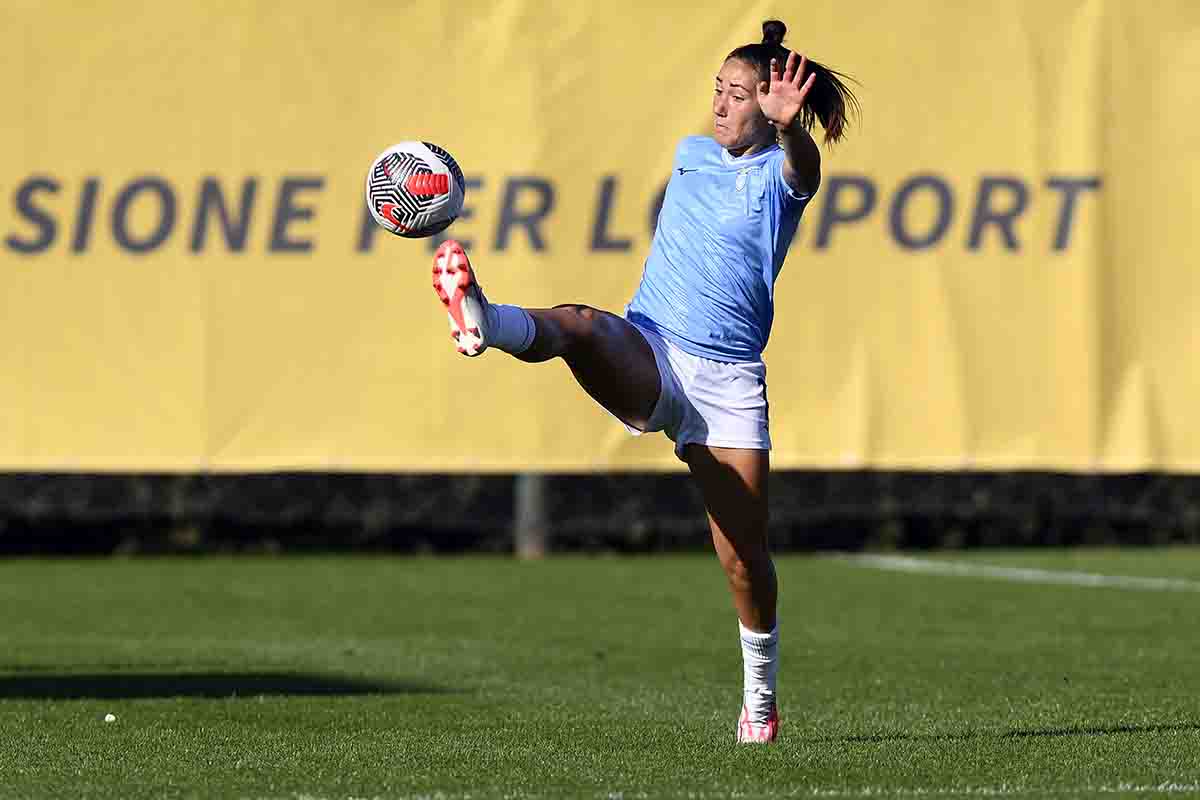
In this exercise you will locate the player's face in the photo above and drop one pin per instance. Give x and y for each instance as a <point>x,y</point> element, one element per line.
<point>738,120</point>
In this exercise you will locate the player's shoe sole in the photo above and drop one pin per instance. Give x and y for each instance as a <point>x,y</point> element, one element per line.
<point>455,284</point>
<point>757,733</point>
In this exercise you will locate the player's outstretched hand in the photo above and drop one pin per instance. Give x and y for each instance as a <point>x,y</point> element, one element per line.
<point>782,99</point>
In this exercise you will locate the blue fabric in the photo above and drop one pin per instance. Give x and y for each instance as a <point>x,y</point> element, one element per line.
<point>723,232</point>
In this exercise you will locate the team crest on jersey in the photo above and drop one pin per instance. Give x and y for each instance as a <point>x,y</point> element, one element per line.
<point>740,184</point>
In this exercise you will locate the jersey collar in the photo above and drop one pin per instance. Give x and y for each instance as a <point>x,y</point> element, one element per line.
<point>742,161</point>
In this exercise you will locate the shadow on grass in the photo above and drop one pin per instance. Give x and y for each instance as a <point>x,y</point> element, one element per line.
<point>876,738</point>
<point>1099,730</point>
<point>129,685</point>
<point>1105,730</point>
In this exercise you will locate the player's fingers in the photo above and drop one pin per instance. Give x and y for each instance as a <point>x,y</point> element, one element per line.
<point>808,84</point>
<point>789,73</point>
<point>800,69</point>
<point>774,70</point>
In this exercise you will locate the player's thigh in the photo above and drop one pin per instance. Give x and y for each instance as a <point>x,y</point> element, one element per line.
<point>614,363</point>
<point>733,483</point>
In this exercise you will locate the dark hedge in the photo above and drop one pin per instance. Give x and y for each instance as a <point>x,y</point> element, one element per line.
<point>67,513</point>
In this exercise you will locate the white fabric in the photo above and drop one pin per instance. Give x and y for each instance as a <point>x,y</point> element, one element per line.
<point>709,402</point>
<point>760,666</point>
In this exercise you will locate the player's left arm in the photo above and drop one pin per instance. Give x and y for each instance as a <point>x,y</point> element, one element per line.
<point>781,101</point>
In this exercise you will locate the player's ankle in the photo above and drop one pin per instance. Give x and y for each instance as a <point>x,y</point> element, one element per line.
<point>510,328</point>
<point>760,662</point>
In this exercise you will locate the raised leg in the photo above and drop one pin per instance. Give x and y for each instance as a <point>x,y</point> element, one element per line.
<point>609,358</point>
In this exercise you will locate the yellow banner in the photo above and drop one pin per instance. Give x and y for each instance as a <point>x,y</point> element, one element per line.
<point>998,272</point>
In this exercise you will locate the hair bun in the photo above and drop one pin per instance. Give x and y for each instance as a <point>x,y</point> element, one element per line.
<point>773,32</point>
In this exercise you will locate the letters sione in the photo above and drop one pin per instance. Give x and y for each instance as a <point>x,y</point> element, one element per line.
<point>158,200</point>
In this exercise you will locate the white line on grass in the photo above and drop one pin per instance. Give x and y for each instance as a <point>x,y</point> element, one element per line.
<point>929,566</point>
<point>1002,790</point>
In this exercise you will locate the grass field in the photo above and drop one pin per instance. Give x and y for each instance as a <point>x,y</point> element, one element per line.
<point>338,677</point>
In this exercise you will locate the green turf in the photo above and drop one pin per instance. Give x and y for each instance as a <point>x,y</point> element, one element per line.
<point>590,677</point>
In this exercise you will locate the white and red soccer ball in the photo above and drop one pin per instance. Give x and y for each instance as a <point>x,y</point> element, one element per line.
<point>415,189</point>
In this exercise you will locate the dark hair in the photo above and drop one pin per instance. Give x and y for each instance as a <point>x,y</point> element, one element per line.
<point>829,101</point>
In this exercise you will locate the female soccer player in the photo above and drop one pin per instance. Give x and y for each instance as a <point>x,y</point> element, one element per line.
<point>686,357</point>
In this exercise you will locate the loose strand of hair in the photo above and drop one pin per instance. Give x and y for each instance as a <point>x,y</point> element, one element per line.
<point>832,103</point>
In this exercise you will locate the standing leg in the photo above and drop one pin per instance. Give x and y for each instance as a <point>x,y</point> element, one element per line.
<point>733,483</point>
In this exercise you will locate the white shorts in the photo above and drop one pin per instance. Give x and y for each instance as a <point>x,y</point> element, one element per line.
<point>707,402</point>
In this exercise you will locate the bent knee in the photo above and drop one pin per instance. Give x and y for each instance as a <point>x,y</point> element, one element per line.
<point>580,312</point>
<point>579,321</point>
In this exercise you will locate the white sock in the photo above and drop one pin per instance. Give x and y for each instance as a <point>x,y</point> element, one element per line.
<point>509,328</point>
<point>760,663</point>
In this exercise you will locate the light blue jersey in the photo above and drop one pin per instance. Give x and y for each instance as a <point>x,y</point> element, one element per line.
<point>723,232</point>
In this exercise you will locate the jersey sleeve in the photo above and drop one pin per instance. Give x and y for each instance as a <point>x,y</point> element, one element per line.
<point>681,151</point>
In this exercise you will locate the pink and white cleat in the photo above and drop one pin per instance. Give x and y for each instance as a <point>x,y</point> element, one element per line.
<point>757,732</point>
<point>455,284</point>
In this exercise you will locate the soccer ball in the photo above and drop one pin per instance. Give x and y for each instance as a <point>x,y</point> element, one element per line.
<point>415,189</point>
